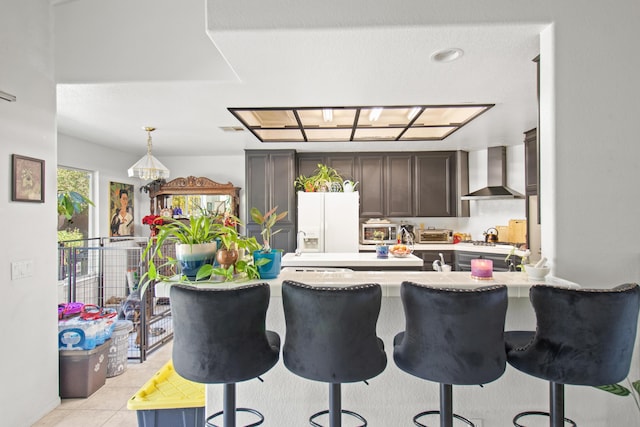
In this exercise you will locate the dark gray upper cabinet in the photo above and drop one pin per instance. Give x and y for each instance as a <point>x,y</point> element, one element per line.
<point>435,183</point>
<point>269,181</point>
<point>425,184</point>
<point>343,163</point>
<point>399,186</point>
<point>307,163</point>
<point>370,174</point>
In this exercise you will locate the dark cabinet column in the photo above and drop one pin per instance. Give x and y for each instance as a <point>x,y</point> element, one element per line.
<point>531,161</point>
<point>269,177</point>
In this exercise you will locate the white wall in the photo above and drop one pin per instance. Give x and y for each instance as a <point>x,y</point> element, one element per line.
<point>29,368</point>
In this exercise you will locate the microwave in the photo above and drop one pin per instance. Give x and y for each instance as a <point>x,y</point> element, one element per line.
<point>434,235</point>
<point>389,233</point>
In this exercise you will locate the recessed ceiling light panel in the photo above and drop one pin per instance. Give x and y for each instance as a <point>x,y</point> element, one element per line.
<point>364,123</point>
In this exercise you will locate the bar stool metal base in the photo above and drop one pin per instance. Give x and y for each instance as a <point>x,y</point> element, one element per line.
<point>252,411</point>
<point>456,416</point>
<point>545,414</point>
<point>342,411</point>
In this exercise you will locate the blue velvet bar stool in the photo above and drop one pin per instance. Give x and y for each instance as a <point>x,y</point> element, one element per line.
<point>452,336</point>
<point>331,337</point>
<point>582,337</point>
<point>219,337</point>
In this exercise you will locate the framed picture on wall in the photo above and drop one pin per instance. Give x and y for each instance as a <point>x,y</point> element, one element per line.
<point>121,209</point>
<point>27,184</point>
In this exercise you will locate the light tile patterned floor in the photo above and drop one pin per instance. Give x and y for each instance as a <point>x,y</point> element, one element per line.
<point>108,405</point>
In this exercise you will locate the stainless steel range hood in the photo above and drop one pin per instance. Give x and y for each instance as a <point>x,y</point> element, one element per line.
<point>497,178</point>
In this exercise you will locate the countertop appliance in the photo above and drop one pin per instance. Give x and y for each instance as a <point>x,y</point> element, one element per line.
<point>434,235</point>
<point>328,222</point>
<point>406,233</point>
<point>368,231</point>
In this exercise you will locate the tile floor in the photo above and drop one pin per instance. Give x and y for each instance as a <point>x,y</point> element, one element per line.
<point>108,405</point>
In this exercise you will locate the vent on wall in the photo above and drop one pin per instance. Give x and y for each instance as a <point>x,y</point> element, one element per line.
<point>7,96</point>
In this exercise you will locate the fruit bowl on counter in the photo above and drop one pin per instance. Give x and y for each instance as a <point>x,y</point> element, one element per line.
<point>400,250</point>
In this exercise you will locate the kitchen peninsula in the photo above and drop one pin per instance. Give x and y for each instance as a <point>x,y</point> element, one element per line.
<point>287,400</point>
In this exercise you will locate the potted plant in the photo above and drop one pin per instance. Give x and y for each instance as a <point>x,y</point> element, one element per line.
<point>325,178</point>
<point>267,221</point>
<point>195,244</point>
<point>304,183</point>
<point>233,257</point>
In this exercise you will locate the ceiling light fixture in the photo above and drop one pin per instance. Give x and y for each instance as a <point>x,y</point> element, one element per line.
<point>327,114</point>
<point>447,55</point>
<point>375,114</point>
<point>357,123</point>
<point>148,167</point>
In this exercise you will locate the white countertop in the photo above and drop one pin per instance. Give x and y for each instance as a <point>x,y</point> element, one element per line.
<point>467,247</point>
<point>348,259</point>
<point>518,283</point>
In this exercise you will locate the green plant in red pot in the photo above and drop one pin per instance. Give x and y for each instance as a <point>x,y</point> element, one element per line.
<point>267,221</point>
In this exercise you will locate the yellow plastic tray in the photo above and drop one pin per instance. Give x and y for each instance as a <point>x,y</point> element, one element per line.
<point>167,390</point>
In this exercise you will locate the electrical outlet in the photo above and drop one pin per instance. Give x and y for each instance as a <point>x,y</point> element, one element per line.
<point>21,269</point>
<point>476,422</point>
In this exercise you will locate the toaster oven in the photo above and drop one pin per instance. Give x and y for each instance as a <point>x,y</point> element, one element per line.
<point>389,233</point>
<point>434,235</point>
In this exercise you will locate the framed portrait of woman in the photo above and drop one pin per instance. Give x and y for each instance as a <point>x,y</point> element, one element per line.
<point>121,209</point>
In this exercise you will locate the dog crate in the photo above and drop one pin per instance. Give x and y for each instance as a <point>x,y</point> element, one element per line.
<point>106,272</point>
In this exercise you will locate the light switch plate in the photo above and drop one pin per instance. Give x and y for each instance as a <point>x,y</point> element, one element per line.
<point>21,269</point>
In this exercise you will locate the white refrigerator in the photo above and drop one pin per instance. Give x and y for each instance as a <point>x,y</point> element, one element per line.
<point>328,222</point>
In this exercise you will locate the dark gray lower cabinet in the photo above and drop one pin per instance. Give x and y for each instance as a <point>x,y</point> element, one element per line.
<point>463,260</point>
<point>430,256</point>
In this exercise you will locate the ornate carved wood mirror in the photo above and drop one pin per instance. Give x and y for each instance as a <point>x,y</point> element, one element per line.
<point>187,196</point>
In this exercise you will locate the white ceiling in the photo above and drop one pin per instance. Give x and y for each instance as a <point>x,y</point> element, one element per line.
<point>125,64</point>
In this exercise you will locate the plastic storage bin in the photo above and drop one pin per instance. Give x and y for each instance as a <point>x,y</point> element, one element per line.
<point>82,372</point>
<point>168,400</point>
<point>119,348</point>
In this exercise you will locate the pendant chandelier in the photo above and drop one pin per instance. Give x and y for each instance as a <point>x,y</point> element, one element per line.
<point>148,167</point>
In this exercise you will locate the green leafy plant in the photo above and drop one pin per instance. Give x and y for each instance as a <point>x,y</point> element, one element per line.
<point>510,260</point>
<point>72,202</point>
<point>267,221</point>
<point>620,390</point>
<point>244,268</point>
<point>201,229</point>
<point>304,183</point>
<point>323,178</point>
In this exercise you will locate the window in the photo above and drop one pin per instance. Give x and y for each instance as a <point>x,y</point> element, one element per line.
<point>79,225</point>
